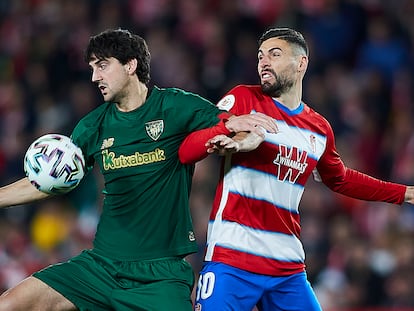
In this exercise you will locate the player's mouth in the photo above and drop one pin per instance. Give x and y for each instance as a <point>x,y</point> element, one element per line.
<point>103,89</point>
<point>266,75</point>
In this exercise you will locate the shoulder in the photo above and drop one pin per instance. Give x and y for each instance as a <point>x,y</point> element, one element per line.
<point>90,118</point>
<point>91,121</point>
<point>247,90</point>
<point>174,93</point>
<point>241,93</point>
<point>317,119</point>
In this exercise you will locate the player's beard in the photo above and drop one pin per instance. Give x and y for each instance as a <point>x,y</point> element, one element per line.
<point>282,85</point>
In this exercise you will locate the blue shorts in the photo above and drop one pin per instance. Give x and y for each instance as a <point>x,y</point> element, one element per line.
<point>222,287</point>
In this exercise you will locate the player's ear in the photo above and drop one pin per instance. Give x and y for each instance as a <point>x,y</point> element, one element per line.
<point>303,63</point>
<point>131,65</point>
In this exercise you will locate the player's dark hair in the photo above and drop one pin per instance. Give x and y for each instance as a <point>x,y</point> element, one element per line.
<point>287,34</point>
<point>124,46</point>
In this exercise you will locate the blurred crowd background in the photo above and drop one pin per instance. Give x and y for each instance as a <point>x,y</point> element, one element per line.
<point>360,255</point>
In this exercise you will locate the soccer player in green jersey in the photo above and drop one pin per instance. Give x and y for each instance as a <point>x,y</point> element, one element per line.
<point>145,229</point>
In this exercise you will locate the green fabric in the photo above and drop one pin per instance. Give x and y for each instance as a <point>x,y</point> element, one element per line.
<point>96,283</point>
<point>146,210</point>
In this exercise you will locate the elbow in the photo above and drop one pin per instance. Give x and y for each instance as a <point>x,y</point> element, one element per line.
<point>188,157</point>
<point>184,159</point>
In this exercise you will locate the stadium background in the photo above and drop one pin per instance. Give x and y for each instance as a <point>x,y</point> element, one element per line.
<point>360,255</point>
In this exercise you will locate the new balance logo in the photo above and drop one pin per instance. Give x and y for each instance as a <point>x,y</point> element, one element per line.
<point>108,142</point>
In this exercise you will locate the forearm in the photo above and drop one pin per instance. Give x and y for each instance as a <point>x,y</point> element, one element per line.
<point>20,192</point>
<point>194,149</point>
<point>364,187</point>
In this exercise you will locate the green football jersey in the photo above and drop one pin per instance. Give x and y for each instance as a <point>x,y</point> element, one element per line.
<point>145,212</point>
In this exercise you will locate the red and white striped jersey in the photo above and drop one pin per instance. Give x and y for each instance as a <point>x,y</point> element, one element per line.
<point>254,224</point>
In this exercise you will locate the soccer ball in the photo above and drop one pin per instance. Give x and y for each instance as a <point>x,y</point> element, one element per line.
<point>54,164</point>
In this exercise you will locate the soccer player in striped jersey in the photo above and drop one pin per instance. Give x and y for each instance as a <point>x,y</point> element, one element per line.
<point>254,255</point>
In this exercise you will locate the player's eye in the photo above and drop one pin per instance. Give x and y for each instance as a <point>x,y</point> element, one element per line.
<point>275,54</point>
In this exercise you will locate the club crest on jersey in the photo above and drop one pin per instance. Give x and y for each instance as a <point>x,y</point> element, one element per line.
<point>312,140</point>
<point>154,129</point>
<point>227,102</point>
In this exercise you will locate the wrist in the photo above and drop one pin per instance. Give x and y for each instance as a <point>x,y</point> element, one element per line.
<point>226,126</point>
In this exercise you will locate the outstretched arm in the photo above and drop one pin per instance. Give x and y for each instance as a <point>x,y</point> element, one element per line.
<point>361,186</point>
<point>20,192</point>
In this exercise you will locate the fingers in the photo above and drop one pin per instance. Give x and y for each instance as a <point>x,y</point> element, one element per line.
<point>222,144</point>
<point>257,123</point>
<point>264,121</point>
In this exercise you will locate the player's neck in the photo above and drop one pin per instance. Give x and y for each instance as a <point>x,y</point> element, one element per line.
<point>290,100</point>
<point>135,97</point>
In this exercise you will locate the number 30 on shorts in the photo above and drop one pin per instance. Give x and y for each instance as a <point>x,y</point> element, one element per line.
<point>205,285</point>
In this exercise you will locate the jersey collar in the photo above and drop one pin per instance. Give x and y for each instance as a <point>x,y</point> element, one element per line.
<point>293,112</point>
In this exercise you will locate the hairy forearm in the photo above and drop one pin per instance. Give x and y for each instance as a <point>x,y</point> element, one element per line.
<point>20,192</point>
